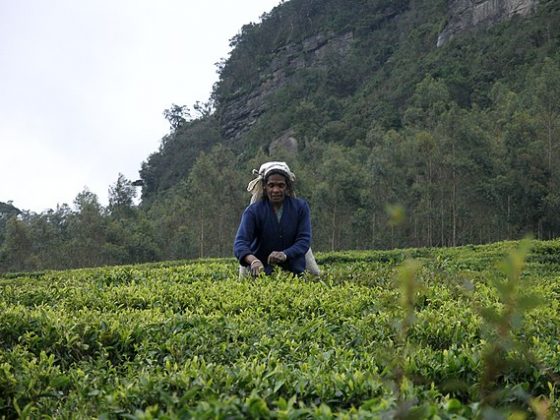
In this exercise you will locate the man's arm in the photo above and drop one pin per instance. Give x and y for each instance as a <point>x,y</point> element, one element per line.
<point>243,239</point>
<point>303,235</point>
<point>244,236</point>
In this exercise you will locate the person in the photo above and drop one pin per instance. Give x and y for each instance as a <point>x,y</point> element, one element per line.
<point>275,229</point>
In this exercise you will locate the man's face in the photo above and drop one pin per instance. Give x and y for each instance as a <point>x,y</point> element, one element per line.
<point>276,188</point>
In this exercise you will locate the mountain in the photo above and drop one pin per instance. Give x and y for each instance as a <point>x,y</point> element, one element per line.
<point>408,123</point>
<point>447,108</point>
<point>466,15</point>
<point>333,68</point>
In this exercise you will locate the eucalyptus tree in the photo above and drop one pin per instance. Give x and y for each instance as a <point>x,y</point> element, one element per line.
<point>87,229</point>
<point>215,196</point>
<point>423,119</point>
<point>7,211</point>
<point>336,195</point>
<point>545,99</point>
<point>544,94</point>
<point>121,198</point>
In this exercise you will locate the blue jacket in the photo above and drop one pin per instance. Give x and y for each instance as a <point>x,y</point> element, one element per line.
<point>260,233</point>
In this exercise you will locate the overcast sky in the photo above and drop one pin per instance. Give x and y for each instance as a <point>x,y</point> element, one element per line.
<point>83,84</point>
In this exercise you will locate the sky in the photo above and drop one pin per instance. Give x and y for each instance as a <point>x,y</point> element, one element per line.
<point>84,83</point>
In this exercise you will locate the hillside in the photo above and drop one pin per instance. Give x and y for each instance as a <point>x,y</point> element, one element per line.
<point>342,69</point>
<point>469,332</point>
<point>463,135</point>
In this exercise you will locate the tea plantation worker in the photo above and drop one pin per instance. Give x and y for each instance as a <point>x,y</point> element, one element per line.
<point>275,228</point>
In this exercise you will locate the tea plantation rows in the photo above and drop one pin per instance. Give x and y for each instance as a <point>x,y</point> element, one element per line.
<point>469,332</point>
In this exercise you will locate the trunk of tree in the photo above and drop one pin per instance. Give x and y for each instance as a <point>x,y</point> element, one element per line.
<point>549,129</point>
<point>430,227</point>
<point>454,198</point>
<point>509,216</point>
<point>333,225</point>
<point>221,235</point>
<point>416,231</point>
<point>442,221</point>
<point>373,230</point>
<point>201,234</point>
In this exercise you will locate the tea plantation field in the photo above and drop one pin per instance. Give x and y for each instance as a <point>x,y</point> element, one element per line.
<point>469,332</point>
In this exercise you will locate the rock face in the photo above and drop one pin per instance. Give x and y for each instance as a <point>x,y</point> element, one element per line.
<point>465,15</point>
<point>239,112</point>
<point>286,143</point>
<point>242,111</point>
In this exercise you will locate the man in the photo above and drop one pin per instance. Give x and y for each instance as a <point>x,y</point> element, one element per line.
<point>276,228</point>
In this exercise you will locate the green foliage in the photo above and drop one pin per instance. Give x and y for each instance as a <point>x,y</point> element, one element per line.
<point>121,198</point>
<point>16,250</point>
<point>370,339</point>
<point>7,211</point>
<point>176,156</point>
<point>177,116</point>
<point>213,186</point>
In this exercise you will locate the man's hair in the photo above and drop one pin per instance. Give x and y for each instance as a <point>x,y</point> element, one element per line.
<point>289,183</point>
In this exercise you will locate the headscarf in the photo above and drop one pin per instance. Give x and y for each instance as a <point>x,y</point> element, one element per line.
<point>255,187</point>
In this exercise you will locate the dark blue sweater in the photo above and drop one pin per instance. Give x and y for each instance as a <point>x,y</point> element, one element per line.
<point>260,233</point>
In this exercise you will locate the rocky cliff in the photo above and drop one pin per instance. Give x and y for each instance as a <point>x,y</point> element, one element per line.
<point>318,72</point>
<point>242,111</point>
<point>465,15</point>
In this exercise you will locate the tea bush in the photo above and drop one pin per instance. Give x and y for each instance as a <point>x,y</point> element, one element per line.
<point>192,340</point>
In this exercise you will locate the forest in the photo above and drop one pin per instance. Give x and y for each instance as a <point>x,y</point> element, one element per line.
<point>459,142</point>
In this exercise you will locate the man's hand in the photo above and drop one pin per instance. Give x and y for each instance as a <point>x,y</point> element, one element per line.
<point>277,257</point>
<point>257,267</point>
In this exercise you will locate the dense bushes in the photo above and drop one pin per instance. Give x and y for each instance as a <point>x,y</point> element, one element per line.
<point>192,340</point>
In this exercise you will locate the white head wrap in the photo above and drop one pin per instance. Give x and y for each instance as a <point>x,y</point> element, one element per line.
<point>255,187</point>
